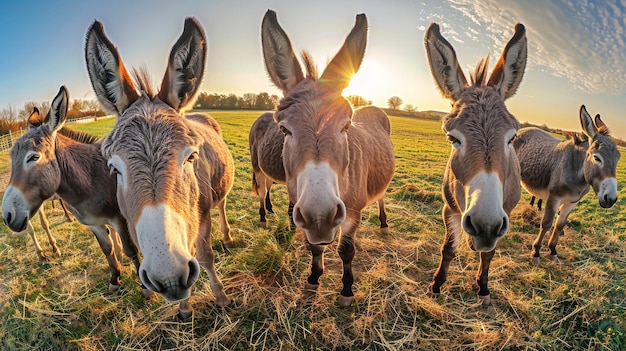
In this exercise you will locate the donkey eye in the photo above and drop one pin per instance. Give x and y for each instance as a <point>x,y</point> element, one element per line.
<point>453,140</point>
<point>193,157</point>
<point>598,159</point>
<point>345,128</point>
<point>512,139</point>
<point>113,170</point>
<point>284,130</point>
<point>33,158</point>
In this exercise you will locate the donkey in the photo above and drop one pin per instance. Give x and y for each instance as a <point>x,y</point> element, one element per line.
<point>50,159</point>
<point>337,161</point>
<point>266,155</point>
<point>481,182</point>
<point>45,225</point>
<point>561,172</point>
<point>171,170</point>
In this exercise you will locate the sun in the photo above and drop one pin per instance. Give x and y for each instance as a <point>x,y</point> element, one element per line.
<point>369,81</point>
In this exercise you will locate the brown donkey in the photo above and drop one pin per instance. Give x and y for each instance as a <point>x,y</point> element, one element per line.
<point>266,155</point>
<point>50,159</point>
<point>171,170</point>
<point>481,184</point>
<point>337,161</point>
<point>561,172</point>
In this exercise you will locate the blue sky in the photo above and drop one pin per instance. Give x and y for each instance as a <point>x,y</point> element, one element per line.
<point>577,49</point>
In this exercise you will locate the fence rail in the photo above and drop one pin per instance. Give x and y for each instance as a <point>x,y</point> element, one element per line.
<point>7,140</point>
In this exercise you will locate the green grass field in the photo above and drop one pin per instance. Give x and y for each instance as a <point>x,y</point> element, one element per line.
<point>578,303</point>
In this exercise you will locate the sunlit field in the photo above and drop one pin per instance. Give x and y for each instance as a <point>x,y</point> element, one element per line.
<point>577,303</point>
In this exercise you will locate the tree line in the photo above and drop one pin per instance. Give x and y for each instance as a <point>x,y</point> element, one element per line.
<point>13,119</point>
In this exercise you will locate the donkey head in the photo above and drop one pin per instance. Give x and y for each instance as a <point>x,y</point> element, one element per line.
<point>314,118</point>
<point>154,154</point>
<point>35,172</point>
<point>481,129</point>
<point>600,164</point>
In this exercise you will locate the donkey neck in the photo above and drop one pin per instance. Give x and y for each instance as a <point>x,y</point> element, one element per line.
<point>572,161</point>
<point>82,169</point>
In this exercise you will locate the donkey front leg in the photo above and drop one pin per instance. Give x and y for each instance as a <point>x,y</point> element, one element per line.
<point>46,228</point>
<point>552,206</point>
<point>120,227</point>
<point>206,258</point>
<point>482,278</point>
<point>382,216</point>
<point>346,251</point>
<point>452,222</point>
<point>317,267</point>
<point>224,227</point>
<point>561,221</point>
<point>106,245</point>
<point>31,232</point>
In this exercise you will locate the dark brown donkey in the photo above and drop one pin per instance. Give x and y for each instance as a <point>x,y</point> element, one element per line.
<point>561,172</point>
<point>481,184</point>
<point>337,161</point>
<point>45,161</point>
<point>171,170</point>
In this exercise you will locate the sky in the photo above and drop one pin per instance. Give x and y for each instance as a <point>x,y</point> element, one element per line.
<point>576,48</point>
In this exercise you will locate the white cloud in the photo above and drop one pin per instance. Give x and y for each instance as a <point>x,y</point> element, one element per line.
<point>580,40</point>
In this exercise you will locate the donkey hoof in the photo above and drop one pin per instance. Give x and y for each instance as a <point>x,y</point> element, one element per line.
<point>113,288</point>
<point>263,224</point>
<point>147,294</point>
<point>310,287</point>
<point>184,315</point>
<point>486,299</point>
<point>345,301</point>
<point>535,259</point>
<point>222,301</point>
<point>57,253</point>
<point>553,258</point>
<point>384,231</point>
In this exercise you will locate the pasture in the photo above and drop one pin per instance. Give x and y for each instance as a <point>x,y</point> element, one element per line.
<point>577,303</point>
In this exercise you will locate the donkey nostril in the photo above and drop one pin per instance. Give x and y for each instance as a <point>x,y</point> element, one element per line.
<point>7,220</point>
<point>468,226</point>
<point>504,227</point>
<point>194,272</point>
<point>154,286</point>
<point>298,218</point>
<point>340,214</point>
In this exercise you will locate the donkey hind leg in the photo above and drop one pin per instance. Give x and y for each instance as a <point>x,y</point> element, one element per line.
<point>268,201</point>
<point>206,258</point>
<point>105,241</point>
<point>482,278</point>
<point>382,216</point>
<point>346,251</point>
<point>552,205</point>
<point>292,224</point>
<point>260,181</point>
<point>452,222</point>
<point>46,228</point>
<point>561,221</point>
<point>68,215</point>
<point>224,227</point>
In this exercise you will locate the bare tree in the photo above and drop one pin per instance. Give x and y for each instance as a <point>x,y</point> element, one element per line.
<point>410,108</point>
<point>248,100</point>
<point>394,103</point>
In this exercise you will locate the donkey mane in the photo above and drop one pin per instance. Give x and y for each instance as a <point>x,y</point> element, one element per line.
<point>478,77</point>
<point>142,78</point>
<point>80,136</point>
<point>309,65</point>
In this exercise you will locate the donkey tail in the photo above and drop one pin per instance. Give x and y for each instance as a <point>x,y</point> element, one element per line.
<point>255,185</point>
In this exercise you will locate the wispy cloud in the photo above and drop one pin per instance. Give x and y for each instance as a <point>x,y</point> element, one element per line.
<point>580,40</point>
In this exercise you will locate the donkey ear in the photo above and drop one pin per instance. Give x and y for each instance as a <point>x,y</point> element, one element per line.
<point>348,60</point>
<point>35,119</point>
<point>600,125</point>
<point>185,67</point>
<point>280,61</point>
<point>508,72</point>
<point>110,80</point>
<point>444,65</point>
<point>58,109</point>
<point>586,123</point>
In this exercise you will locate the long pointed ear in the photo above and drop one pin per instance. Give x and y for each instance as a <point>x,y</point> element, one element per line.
<point>587,123</point>
<point>508,72</point>
<point>600,125</point>
<point>185,67</point>
<point>35,119</point>
<point>110,80</point>
<point>444,65</point>
<point>348,60</point>
<point>58,109</point>
<point>280,61</point>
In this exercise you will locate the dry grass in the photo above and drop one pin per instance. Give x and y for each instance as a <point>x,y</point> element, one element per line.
<point>577,303</point>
